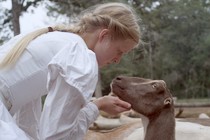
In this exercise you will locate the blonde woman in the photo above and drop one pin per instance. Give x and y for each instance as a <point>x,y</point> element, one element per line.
<point>63,62</point>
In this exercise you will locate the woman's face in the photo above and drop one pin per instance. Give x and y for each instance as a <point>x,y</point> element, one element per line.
<point>110,51</point>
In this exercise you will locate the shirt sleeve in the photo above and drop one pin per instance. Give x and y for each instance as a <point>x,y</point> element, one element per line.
<point>72,78</point>
<point>78,67</point>
<point>66,115</point>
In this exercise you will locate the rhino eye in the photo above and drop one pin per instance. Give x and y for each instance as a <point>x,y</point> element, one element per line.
<point>154,85</point>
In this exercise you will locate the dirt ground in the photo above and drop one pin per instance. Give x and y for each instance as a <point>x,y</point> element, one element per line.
<point>191,112</point>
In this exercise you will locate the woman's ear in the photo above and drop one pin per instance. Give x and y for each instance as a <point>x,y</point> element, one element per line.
<point>104,33</point>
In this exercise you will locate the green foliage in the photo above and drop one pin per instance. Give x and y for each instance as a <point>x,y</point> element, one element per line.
<point>9,25</point>
<point>176,48</point>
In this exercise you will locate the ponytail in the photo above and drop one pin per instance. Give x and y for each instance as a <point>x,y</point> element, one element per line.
<point>14,54</point>
<point>119,18</point>
<point>20,46</point>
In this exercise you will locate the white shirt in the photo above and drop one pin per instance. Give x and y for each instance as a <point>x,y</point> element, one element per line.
<point>60,64</point>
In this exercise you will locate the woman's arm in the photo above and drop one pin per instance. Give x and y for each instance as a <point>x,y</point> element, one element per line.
<point>66,115</point>
<point>112,105</point>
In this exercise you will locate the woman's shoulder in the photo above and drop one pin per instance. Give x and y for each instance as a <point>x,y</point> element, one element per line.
<point>57,35</point>
<point>55,41</point>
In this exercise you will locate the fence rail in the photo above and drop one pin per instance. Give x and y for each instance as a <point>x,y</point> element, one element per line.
<point>178,105</point>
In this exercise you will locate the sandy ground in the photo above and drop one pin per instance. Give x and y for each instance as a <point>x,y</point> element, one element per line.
<point>192,112</point>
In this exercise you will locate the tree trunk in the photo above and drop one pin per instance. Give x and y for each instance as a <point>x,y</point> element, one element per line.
<point>16,11</point>
<point>150,61</point>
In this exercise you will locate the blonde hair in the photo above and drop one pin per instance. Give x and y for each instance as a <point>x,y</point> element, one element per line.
<point>119,18</point>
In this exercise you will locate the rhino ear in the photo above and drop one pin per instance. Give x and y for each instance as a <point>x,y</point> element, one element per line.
<point>168,101</point>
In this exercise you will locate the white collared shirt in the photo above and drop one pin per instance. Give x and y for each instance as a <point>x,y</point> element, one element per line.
<point>60,64</point>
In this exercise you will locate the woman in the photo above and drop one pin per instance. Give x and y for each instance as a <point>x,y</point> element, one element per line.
<point>63,63</point>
